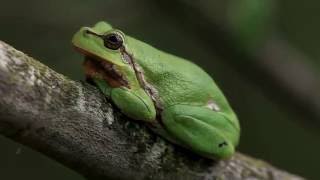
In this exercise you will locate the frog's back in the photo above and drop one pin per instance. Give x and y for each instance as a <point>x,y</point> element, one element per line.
<point>178,81</point>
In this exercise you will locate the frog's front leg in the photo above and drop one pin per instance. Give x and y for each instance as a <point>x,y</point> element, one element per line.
<point>204,131</point>
<point>135,104</point>
<point>103,86</point>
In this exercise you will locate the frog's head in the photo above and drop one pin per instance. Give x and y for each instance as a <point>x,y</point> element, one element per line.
<point>105,55</point>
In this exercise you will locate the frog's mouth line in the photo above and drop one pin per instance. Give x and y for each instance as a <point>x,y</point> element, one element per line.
<point>95,67</point>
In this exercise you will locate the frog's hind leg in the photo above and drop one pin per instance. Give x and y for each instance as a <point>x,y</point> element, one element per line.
<point>202,130</point>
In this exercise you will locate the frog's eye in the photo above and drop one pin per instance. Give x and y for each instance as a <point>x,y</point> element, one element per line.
<point>113,41</point>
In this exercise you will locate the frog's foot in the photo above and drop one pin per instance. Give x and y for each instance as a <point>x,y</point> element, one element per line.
<point>207,132</point>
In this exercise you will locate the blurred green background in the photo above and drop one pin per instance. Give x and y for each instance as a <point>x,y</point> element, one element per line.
<point>271,129</point>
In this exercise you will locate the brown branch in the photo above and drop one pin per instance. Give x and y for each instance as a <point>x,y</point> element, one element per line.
<point>73,123</point>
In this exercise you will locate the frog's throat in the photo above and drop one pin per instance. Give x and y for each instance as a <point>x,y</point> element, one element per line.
<point>95,67</point>
<point>104,70</point>
<point>148,88</point>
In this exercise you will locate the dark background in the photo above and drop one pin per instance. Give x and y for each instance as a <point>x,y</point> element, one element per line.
<point>271,129</point>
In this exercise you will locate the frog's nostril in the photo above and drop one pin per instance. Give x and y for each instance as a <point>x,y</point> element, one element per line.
<point>86,32</point>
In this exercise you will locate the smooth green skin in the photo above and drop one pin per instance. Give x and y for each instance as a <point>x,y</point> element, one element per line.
<point>184,92</point>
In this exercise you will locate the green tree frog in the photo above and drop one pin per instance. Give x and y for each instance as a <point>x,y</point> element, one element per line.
<point>174,97</point>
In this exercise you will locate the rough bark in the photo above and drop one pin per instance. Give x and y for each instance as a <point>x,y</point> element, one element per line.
<point>73,123</point>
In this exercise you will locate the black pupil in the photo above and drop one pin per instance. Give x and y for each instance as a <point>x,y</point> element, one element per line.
<point>113,38</point>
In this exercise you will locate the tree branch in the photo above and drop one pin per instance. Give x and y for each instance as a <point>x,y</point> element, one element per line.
<point>73,123</point>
